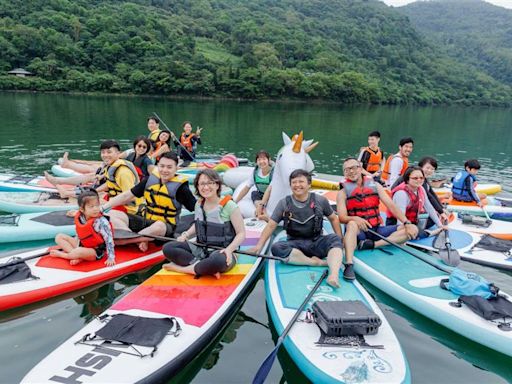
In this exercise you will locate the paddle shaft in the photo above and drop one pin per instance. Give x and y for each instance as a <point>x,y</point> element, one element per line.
<point>410,252</point>
<point>485,213</point>
<point>265,367</point>
<point>18,261</point>
<point>177,138</point>
<point>214,247</point>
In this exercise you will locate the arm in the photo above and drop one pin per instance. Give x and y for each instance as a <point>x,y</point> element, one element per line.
<point>122,199</point>
<point>432,213</point>
<point>102,226</point>
<point>401,200</point>
<point>187,234</point>
<point>471,189</point>
<point>411,229</point>
<point>265,235</point>
<point>341,208</point>
<point>238,223</point>
<point>364,158</point>
<point>260,210</point>
<point>394,169</point>
<point>163,149</point>
<point>185,196</point>
<point>242,193</point>
<point>335,222</point>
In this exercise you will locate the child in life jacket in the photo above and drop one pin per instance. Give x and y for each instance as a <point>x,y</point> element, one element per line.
<point>463,187</point>
<point>95,238</point>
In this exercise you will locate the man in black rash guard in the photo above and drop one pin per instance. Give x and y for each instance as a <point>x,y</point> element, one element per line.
<point>165,194</point>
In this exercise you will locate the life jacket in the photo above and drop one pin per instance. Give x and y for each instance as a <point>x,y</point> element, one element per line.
<point>187,142</point>
<point>262,182</point>
<point>375,159</point>
<point>386,171</point>
<point>161,202</point>
<point>114,189</point>
<point>210,228</point>
<point>303,223</point>
<point>88,237</point>
<point>459,187</point>
<point>416,202</point>
<point>153,136</point>
<point>363,201</point>
<point>138,163</point>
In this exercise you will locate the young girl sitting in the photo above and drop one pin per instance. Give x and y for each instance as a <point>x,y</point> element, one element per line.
<point>95,236</point>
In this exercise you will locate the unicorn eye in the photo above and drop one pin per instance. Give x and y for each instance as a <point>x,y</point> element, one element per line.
<point>279,157</point>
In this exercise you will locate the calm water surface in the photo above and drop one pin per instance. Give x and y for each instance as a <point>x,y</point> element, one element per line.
<point>36,129</point>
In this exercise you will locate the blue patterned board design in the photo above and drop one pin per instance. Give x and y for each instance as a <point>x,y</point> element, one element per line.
<point>458,239</point>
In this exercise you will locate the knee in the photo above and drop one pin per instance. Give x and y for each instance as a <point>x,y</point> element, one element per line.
<point>352,227</point>
<point>159,228</point>
<point>169,249</point>
<point>60,238</point>
<point>280,249</point>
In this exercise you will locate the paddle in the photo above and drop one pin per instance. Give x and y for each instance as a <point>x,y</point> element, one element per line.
<point>265,367</point>
<point>448,255</point>
<point>22,260</point>
<point>128,234</point>
<point>486,214</point>
<point>410,252</point>
<point>178,141</point>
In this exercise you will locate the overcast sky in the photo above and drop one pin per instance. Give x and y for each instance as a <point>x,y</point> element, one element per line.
<point>501,3</point>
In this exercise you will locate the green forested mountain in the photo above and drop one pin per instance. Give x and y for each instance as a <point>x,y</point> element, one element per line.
<point>343,50</point>
<point>471,31</point>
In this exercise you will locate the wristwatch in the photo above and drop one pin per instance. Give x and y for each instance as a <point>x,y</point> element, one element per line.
<point>407,222</point>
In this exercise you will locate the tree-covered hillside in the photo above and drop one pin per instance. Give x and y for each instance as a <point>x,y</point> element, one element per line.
<point>343,50</point>
<point>473,32</point>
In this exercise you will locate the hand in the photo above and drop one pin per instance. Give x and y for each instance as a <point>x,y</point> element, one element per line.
<point>198,131</point>
<point>173,136</point>
<point>362,224</point>
<point>444,227</point>
<point>480,204</point>
<point>71,213</point>
<point>255,249</point>
<point>411,230</point>
<point>229,256</point>
<point>182,238</point>
<point>444,217</point>
<point>110,263</point>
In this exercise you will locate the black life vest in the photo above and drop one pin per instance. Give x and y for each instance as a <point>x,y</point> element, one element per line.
<point>210,228</point>
<point>303,223</point>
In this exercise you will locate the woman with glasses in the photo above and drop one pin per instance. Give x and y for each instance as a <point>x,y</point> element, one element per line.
<point>411,198</point>
<point>139,156</point>
<point>218,222</point>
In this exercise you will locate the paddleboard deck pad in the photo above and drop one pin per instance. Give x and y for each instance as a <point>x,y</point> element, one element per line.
<point>201,306</point>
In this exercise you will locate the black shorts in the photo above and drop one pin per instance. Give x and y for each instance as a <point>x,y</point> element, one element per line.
<point>319,247</point>
<point>137,223</point>
<point>256,195</point>
<point>100,250</point>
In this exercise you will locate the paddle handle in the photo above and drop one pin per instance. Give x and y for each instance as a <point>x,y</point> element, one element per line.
<point>486,214</point>
<point>165,125</point>
<point>410,252</point>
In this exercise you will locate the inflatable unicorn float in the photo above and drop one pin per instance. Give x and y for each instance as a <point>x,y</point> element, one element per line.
<point>293,155</point>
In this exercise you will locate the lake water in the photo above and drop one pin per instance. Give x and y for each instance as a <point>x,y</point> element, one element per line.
<point>36,129</point>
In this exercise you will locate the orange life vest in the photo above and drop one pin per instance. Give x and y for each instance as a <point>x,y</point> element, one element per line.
<point>186,141</point>
<point>363,201</point>
<point>88,237</point>
<point>416,202</point>
<point>385,171</point>
<point>375,159</point>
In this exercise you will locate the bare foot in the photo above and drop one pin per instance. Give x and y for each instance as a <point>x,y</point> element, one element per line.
<point>143,246</point>
<point>333,281</point>
<point>62,191</point>
<point>319,262</point>
<point>65,160</point>
<point>75,261</point>
<point>169,267</point>
<point>51,179</point>
<point>57,253</point>
<point>217,275</point>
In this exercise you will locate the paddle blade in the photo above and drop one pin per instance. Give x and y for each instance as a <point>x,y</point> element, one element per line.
<point>265,367</point>
<point>449,256</point>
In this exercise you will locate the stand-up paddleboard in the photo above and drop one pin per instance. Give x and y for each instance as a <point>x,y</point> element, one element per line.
<point>55,276</point>
<point>202,307</point>
<point>35,226</point>
<point>466,244</point>
<point>494,211</point>
<point>415,284</point>
<point>13,183</point>
<point>497,228</point>
<point>33,202</point>
<point>286,288</point>
<point>488,189</point>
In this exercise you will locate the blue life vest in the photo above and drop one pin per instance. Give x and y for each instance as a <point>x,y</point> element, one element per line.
<point>459,188</point>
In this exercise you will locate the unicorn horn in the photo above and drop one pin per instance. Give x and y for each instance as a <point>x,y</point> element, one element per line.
<point>310,147</point>
<point>298,143</point>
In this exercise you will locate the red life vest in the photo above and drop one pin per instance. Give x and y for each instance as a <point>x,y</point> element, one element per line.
<point>375,159</point>
<point>416,202</point>
<point>363,201</point>
<point>386,171</point>
<point>89,238</point>
<point>186,141</point>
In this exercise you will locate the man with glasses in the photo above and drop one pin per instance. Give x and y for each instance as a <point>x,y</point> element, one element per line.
<point>358,208</point>
<point>165,194</point>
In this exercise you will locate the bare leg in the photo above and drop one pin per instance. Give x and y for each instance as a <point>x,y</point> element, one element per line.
<point>66,242</point>
<point>77,255</point>
<point>176,268</point>
<point>334,258</point>
<point>64,192</point>
<point>350,240</point>
<point>158,228</point>
<point>72,180</point>
<point>296,257</point>
<point>399,237</point>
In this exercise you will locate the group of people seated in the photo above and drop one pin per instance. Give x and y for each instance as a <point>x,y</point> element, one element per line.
<point>150,203</point>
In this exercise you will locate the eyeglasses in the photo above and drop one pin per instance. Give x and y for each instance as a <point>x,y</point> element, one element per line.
<point>352,168</point>
<point>208,183</point>
<point>417,178</point>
